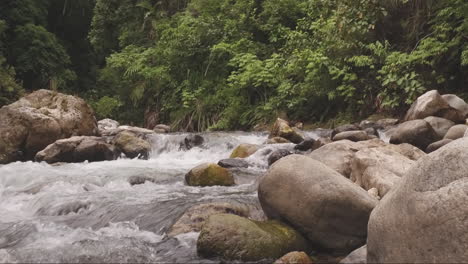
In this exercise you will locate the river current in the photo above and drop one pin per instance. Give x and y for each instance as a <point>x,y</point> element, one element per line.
<point>89,212</point>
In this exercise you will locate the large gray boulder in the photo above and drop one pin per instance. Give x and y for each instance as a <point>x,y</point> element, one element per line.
<point>330,210</point>
<point>39,119</point>
<point>232,237</point>
<point>131,145</point>
<point>78,149</point>
<point>439,124</point>
<point>424,219</point>
<point>379,168</point>
<point>418,133</point>
<point>338,155</point>
<point>456,132</point>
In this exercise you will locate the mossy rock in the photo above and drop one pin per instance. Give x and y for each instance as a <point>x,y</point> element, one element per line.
<point>132,145</point>
<point>209,174</point>
<point>232,237</point>
<point>282,129</point>
<point>244,150</point>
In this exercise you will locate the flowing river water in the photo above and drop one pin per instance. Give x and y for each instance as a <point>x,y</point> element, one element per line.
<point>89,212</point>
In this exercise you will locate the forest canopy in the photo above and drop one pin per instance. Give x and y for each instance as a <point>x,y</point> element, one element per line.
<point>232,64</point>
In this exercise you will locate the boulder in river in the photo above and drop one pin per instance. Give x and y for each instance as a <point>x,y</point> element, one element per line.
<point>232,237</point>
<point>305,145</point>
<point>192,140</point>
<point>424,218</point>
<point>356,135</point>
<point>456,132</point>
<point>282,129</point>
<point>244,150</point>
<point>209,174</point>
<point>233,163</point>
<point>330,210</point>
<point>107,124</point>
<point>418,133</point>
<point>131,145</point>
<point>39,119</point>
<point>161,128</point>
<point>78,149</point>
<point>439,124</point>
<point>277,140</point>
<point>296,257</point>
<point>277,155</point>
<point>194,218</point>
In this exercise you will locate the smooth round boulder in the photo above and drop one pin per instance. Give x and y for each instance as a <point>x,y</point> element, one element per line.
<point>296,257</point>
<point>429,104</point>
<point>424,218</point>
<point>131,145</point>
<point>39,119</point>
<point>232,237</point>
<point>418,133</point>
<point>233,163</point>
<point>78,149</point>
<point>209,174</point>
<point>277,155</point>
<point>357,135</point>
<point>439,124</point>
<point>437,145</point>
<point>244,150</point>
<point>282,129</point>
<point>193,219</point>
<point>456,132</point>
<point>330,210</point>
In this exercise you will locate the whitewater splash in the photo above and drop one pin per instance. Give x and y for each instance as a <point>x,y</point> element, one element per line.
<point>89,212</point>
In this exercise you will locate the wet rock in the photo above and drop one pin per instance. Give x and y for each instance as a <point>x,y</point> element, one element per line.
<point>78,149</point>
<point>277,155</point>
<point>423,219</point>
<point>233,163</point>
<point>338,155</point>
<point>161,128</point>
<point>358,256</point>
<point>305,145</point>
<point>193,140</point>
<point>418,133</point>
<point>295,257</point>
<point>194,218</point>
<point>277,140</point>
<point>137,180</point>
<point>437,145</point>
<point>244,150</point>
<point>379,168</point>
<point>456,132</point>
<point>107,124</point>
<point>209,174</point>
<point>355,136</point>
<point>38,120</point>
<point>232,237</point>
<point>428,104</point>
<point>131,145</point>
<point>440,125</point>
<point>282,129</point>
<point>345,128</point>
<point>330,210</point>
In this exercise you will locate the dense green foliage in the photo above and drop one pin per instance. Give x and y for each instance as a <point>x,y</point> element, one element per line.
<point>229,64</point>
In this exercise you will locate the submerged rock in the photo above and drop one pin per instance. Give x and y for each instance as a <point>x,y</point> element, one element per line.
<point>330,210</point>
<point>78,149</point>
<point>192,140</point>
<point>232,237</point>
<point>209,174</point>
<point>424,218</point>
<point>39,119</point>
<point>244,150</point>
<point>131,145</point>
